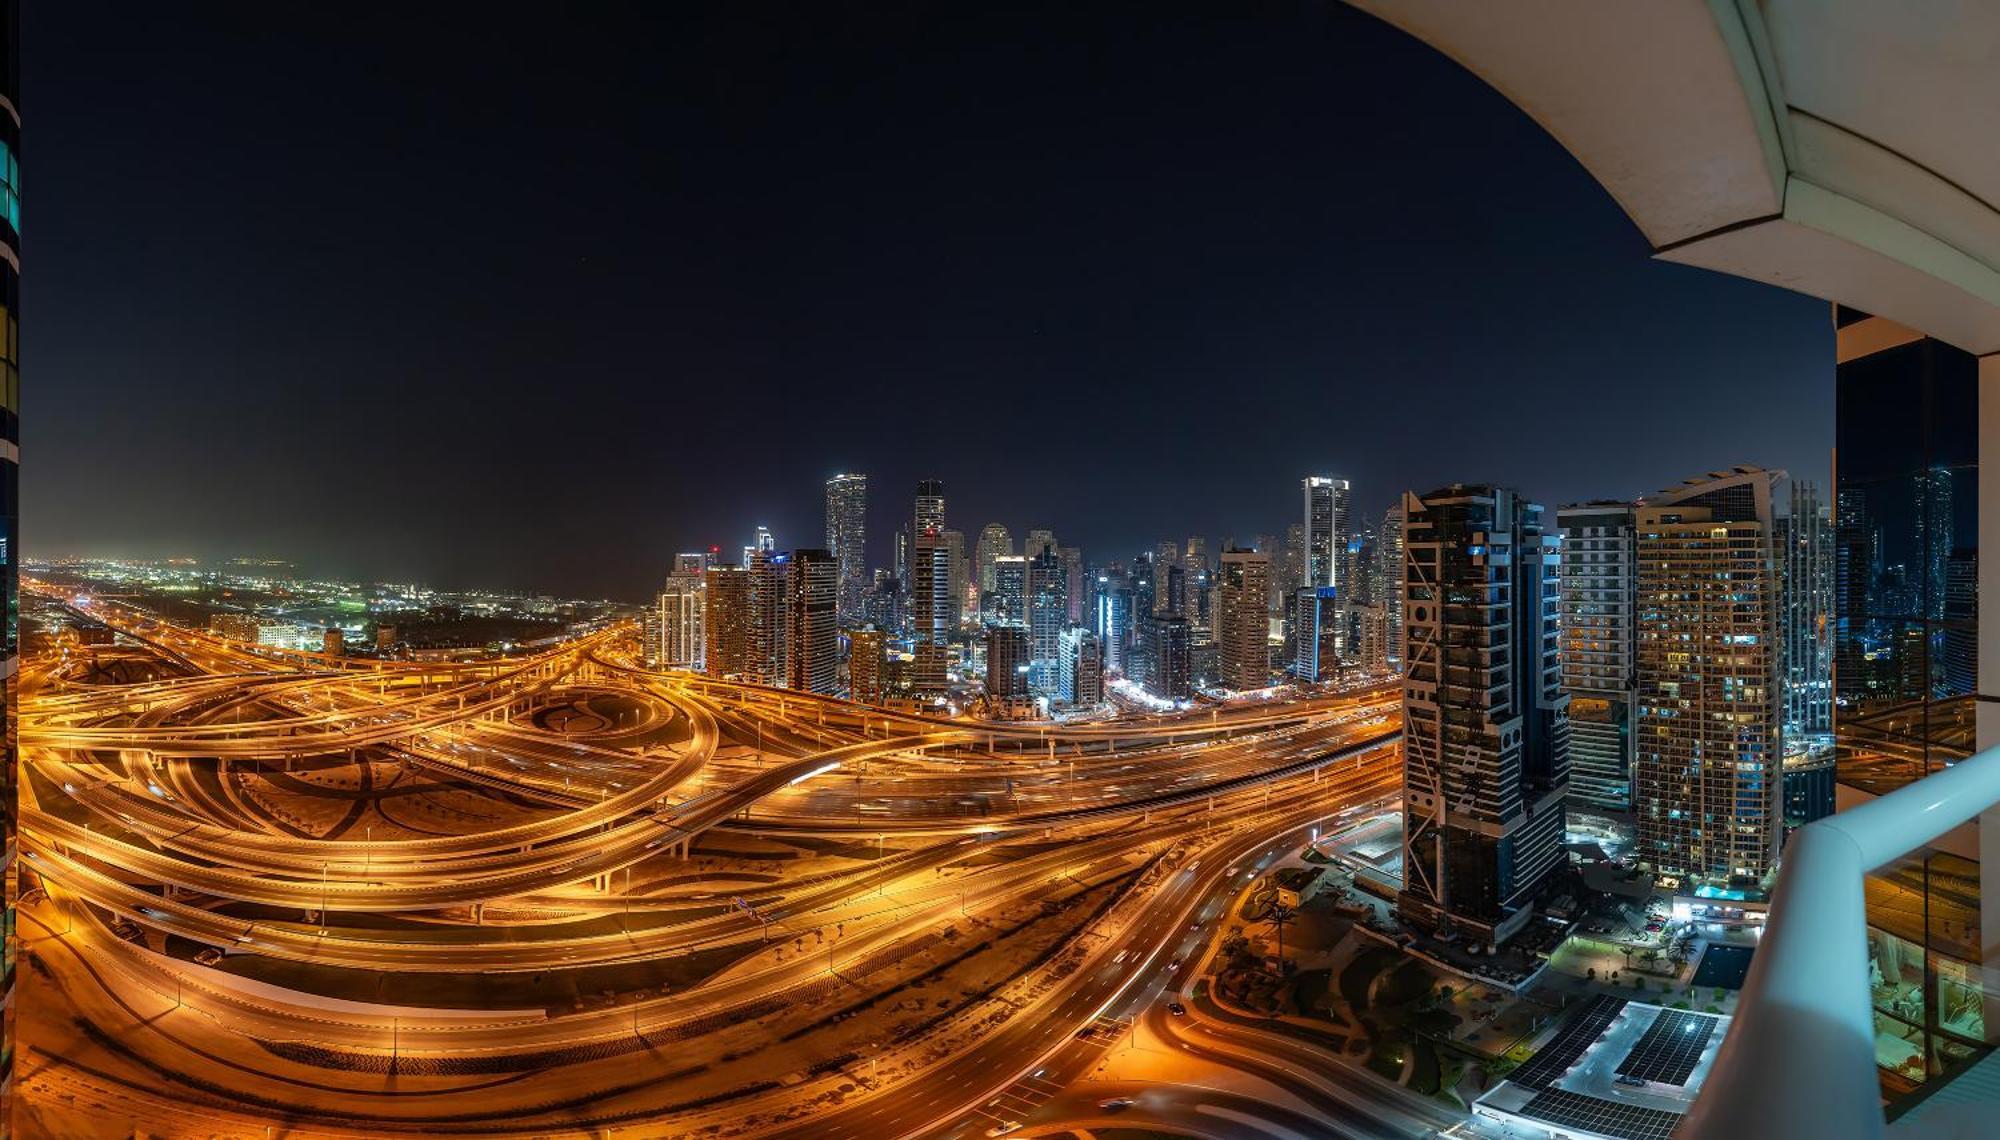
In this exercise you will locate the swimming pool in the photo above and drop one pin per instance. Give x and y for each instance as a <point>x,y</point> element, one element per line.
<point>1724,966</point>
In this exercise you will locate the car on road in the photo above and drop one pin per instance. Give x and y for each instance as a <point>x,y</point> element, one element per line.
<point>1116,1103</point>
<point>1173,965</point>
<point>1004,1127</point>
<point>1177,1009</point>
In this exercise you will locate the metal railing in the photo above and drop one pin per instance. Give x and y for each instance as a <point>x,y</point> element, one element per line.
<point>1799,1061</point>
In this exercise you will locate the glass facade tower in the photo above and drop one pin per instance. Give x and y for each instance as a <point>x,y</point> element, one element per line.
<point>1905,655</point>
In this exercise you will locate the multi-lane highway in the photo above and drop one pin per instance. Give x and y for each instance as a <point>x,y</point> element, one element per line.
<point>561,894</point>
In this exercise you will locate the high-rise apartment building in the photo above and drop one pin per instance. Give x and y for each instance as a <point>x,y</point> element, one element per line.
<point>994,543</point>
<point>1008,663</point>
<point>769,631</point>
<point>931,617</point>
<point>1244,626</point>
<point>1371,636</point>
<point>1048,613</point>
<point>1485,720</point>
<point>1075,580</point>
<point>1324,531</point>
<point>1805,616</point>
<point>847,539</point>
<point>812,631</point>
<point>1008,602</point>
<point>865,648</point>
<point>1599,652</point>
<point>1389,573</point>
<point>1162,656</point>
<point>1114,621</point>
<point>959,574</point>
<point>728,645</point>
<point>1318,614</point>
<point>681,605</point>
<point>1710,763</point>
<point>1081,676</point>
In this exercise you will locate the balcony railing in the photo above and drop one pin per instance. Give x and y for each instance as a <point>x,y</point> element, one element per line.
<point>1799,1061</point>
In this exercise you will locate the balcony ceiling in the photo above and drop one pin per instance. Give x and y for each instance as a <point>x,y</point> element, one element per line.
<point>1847,149</point>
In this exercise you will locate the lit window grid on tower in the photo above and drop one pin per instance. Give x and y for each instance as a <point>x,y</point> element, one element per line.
<point>1709,761</point>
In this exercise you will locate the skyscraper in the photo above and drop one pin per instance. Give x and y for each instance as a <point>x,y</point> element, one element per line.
<point>1709,768</point>
<point>994,542</point>
<point>1485,728</point>
<point>1244,627</point>
<point>1161,656</point>
<point>1073,576</point>
<point>812,634</point>
<point>1048,613</point>
<point>726,624</point>
<point>930,592</point>
<point>864,665</point>
<point>1324,531</point>
<point>1081,672</point>
<point>959,575</point>
<point>1805,570</point>
<point>1389,573</point>
<point>1008,664</point>
<point>1318,634</point>
<point>681,605</point>
<point>1008,603</point>
<point>1114,621</point>
<point>769,632</point>
<point>847,539</point>
<point>1196,556</point>
<point>1599,656</point>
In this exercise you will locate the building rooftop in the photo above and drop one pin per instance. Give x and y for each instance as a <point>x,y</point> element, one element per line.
<point>1614,1070</point>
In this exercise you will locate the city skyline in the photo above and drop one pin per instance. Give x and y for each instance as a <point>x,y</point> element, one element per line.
<point>823,572</point>
<point>707,311</point>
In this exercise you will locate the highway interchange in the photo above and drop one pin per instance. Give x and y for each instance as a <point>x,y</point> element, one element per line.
<point>561,894</point>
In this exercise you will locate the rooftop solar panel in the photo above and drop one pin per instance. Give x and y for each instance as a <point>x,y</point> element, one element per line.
<point>1581,1031</point>
<point>1604,1117</point>
<point>1670,1048</point>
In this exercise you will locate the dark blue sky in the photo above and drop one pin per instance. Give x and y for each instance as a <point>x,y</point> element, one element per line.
<point>497,297</point>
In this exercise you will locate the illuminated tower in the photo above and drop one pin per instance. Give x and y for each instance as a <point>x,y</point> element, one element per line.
<point>768,631</point>
<point>864,666</point>
<point>1243,630</point>
<point>681,605</point>
<point>1048,613</point>
<point>1325,531</point>
<point>930,592</point>
<point>847,539</point>
<point>959,575</point>
<point>1008,601</point>
<point>812,637</point>
<point>1805,568</point>
<point>1599,656</point>
<point>994,543</point>
<point>1485,720</point>
<point>1710,762</point>
<point>1113,620</point>
<point>1389,573</point>
<point>1008,666</point>
<point>726,626</point>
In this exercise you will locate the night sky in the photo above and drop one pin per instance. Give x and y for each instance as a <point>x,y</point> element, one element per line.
<point>493,298</point>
